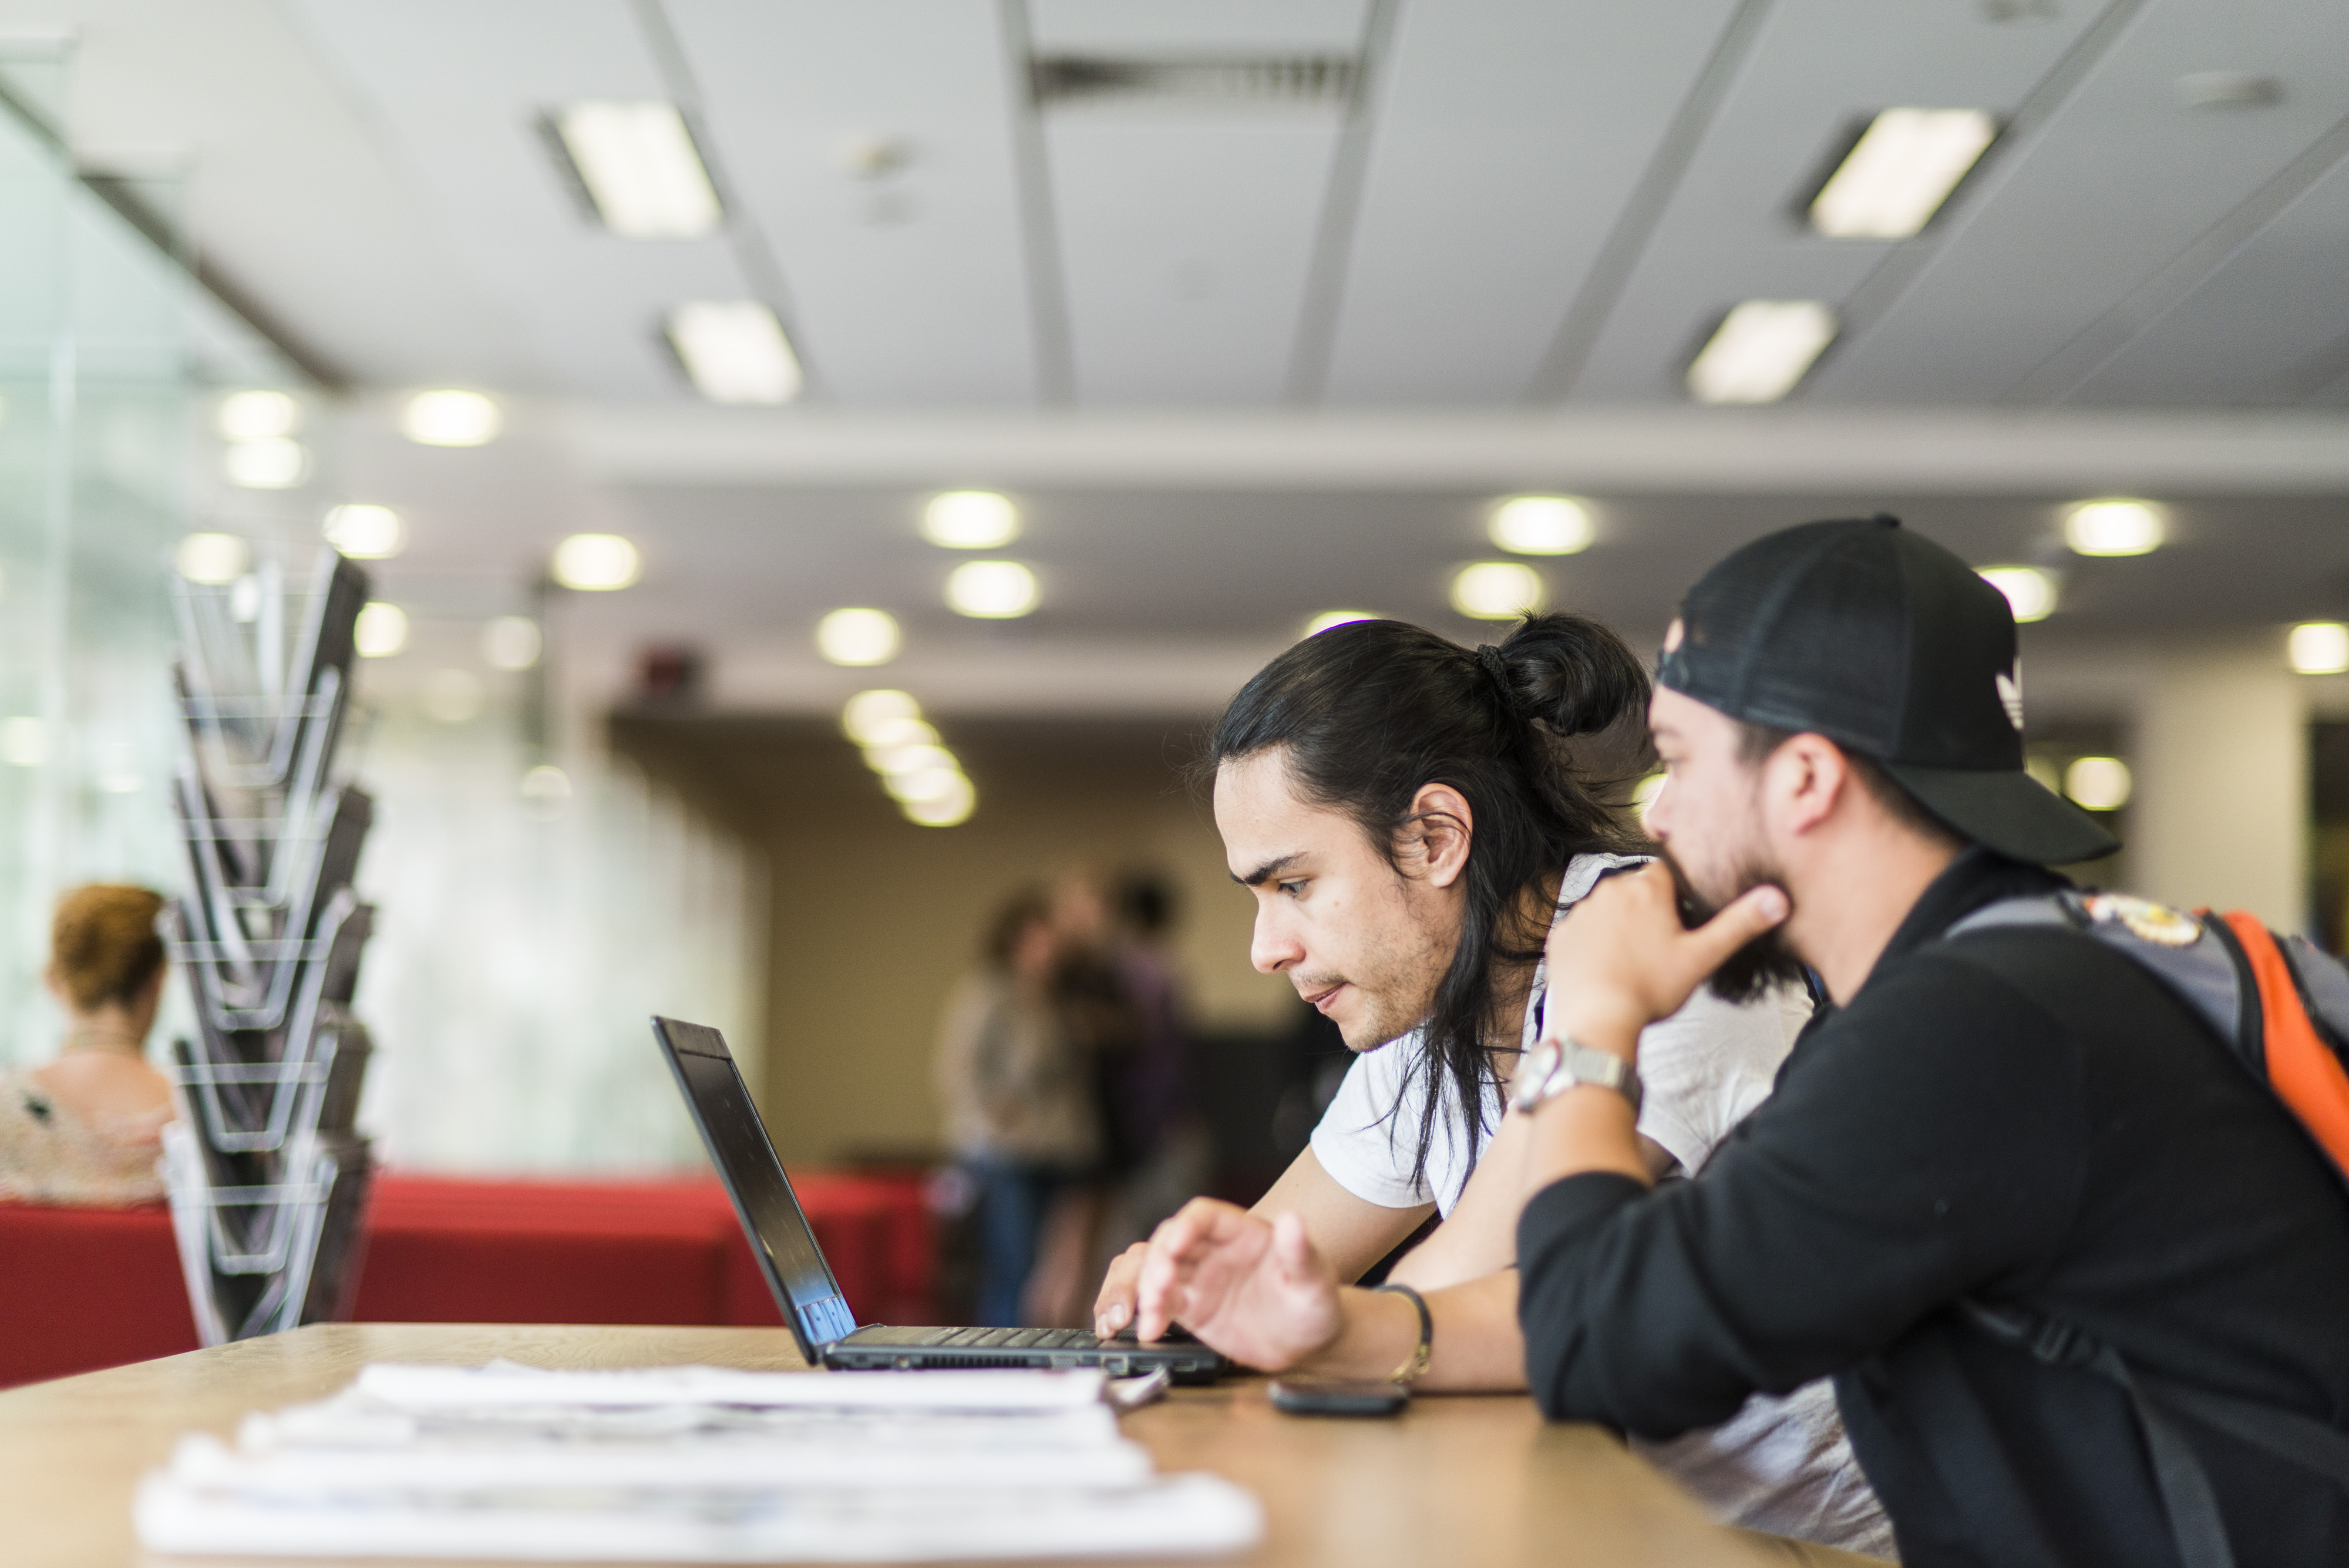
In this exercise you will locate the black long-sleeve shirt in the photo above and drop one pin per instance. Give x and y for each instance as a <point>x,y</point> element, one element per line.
<point>1949,1135</point>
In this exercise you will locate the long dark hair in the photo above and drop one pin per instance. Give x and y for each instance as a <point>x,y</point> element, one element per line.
<point>1371,711</point>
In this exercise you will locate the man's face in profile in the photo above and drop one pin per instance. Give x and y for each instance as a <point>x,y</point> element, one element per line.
<point>1361,942</point>
<point>1708,818</point>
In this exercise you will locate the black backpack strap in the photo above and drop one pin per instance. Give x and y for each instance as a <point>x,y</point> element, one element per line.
<point>2195,1523</point>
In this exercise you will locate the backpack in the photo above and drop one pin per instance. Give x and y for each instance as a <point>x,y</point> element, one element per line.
<point>2282,1008</point>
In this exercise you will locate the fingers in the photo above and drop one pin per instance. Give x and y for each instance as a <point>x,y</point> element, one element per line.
<point>1744,917</point>
<point>1113,1307</point>
<point>1159,1296</point>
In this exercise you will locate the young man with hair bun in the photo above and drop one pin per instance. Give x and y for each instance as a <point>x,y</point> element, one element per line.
<point>1411,816</point>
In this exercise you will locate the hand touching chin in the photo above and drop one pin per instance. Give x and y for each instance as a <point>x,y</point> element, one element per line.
<point>1259,1293</point>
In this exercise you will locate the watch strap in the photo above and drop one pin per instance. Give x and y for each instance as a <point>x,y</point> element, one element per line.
<point>1416,1362</point>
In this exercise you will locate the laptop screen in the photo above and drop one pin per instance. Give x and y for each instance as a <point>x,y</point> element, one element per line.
<point>770,1214</point>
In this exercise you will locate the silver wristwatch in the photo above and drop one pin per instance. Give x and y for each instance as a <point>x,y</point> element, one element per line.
<point>1557,1066</point>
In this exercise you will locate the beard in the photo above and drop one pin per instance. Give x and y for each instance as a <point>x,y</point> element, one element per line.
<point>1760,964</point>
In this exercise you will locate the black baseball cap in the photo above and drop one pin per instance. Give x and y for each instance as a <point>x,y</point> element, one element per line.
<point>1893,648</point>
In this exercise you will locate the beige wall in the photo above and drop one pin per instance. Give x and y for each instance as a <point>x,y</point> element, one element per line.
<point>2220,811</point>
<point>871,917</point>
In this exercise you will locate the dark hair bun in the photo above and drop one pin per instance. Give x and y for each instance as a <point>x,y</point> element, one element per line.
<point>1574,674</point>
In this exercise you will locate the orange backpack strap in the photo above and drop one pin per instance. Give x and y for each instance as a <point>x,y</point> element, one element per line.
<point>2302,1069</point>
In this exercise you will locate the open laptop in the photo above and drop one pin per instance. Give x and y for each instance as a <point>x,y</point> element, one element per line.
<point>786,1249</point>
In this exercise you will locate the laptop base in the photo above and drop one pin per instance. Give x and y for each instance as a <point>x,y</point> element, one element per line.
<point>879,1347</point>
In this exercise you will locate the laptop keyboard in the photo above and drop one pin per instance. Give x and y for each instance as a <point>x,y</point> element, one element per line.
<point>1015,1338</point>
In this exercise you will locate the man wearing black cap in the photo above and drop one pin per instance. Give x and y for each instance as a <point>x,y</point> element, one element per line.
<point>1989,1138</point>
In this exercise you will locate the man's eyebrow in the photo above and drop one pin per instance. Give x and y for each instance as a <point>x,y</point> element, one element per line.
<point>1269,869</point>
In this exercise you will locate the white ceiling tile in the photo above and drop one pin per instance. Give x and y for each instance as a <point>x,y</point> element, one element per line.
<point>1155,27</point>
<point>2121,180</point>
<point>1185,245</point>
<point>911,287</point>
<point>1734,228</point>
<point>1508,136</point>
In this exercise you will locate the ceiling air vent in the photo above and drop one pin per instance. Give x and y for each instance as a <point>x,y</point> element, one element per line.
<point>1295,81</point>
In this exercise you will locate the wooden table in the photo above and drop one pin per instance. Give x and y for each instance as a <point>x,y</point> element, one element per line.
<point>1460,1480</point>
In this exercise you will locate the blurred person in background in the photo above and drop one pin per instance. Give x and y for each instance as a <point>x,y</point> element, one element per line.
<point>1148,1092</point>
<point>1018,1089</point>
<point>88,1128</point>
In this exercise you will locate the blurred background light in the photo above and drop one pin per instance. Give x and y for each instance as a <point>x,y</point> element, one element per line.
<point>641,167</point>
<point>1761,350</point>
<point>213,560</point>
<point>2099,783</point>
<point>381,631</point>
<point>1498,590</point>
<point>1899,174</point>
<point>862,716</point>
<point>734,351</point>
<point>2113,528</point>
<point>597,563</point>
<point>921,784</point>
<point>2030,592</point>
<point>947,810</point>
<point>2319,647</point>
<point>858,637</point>
<point>510,642</point>
<point>1316,624</point>
<point>450,418</point>
<point>970,520</point>
<point>452,696</point>
<point>365,533</point>
<point>908,759</point>
<point>1542,525</point>
<point>271,462</point>
<point>257,416</point>
<point>24,742</point>
<point>1644,794</point>
<point>546,790</point>
<point>991,590</point>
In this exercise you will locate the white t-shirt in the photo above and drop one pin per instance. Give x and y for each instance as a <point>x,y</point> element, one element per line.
<point>1780,1465</point>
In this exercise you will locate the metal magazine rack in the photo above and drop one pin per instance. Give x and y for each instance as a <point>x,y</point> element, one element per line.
<point>269,1177</point>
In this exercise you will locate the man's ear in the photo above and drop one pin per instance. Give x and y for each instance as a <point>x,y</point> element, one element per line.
<point>1803,781</point>
<point>1438,833</point>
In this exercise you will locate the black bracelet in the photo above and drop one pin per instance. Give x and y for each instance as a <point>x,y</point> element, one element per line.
<point>1409,1370</point>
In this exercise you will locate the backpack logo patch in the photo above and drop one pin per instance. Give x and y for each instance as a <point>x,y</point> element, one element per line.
<point>2148,921</point>
<point>2010,697</point>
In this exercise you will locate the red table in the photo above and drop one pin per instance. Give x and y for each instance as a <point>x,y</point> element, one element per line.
<point>86,1288</point>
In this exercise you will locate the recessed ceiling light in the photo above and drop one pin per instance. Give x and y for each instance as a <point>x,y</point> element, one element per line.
<point>1899,174</point>
<point>381,631</point>
<point>1761,350</point>
<point>2320,648</point>
<point>858,637</point>
<point>2030,592</point>
<point>450,418</point>
<point>1542,525</point>
<point>641,169</point>
<point>947,810</point>
<point>2100,784</point>
<point>923,785</point>
<point>251,416</point>
<point>365,533</point>
<point>2229,89</point>
<point>970,520</point>
<point>1498,590</point>
<point>270,462</point>
<point>212,560</point>
<point>862,716</point>
<point>735,351</point>
<point>2113,528</point>
<point>991,590</point>
<point>510,642</point>
<point>1327,619</point>
<point>597,563</point>
<point>914,759</point>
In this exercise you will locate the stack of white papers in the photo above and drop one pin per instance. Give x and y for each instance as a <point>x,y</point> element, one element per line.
<point>689,1465</point>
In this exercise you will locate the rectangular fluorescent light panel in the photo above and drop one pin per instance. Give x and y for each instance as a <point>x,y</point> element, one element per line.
<point>641,169</point>
<point>735,351</point>
<point>1762,349</point>
<point>1899,174</point>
